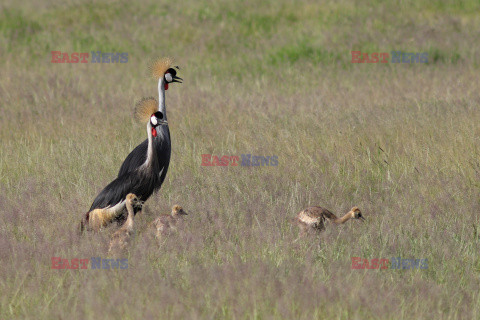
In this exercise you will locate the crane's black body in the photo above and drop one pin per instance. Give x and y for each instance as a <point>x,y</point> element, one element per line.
<point>139,155</point>
<point>136,178</point>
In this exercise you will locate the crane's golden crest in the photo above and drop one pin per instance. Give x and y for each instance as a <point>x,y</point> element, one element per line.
<point>158,67</point>
<point>145,108</point>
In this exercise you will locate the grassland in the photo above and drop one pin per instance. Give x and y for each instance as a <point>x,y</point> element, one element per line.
<point>401,141</point>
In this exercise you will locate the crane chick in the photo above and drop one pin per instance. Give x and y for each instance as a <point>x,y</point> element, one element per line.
<point>314,218</point>
<point>168,222</point>
<point>121,237</point>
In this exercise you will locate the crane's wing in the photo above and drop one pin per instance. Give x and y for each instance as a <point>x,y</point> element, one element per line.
<point>308,216</point>
<point>135,159</point>
<point>116,191</point>
<point>315,214</point>
<point>138,156</point>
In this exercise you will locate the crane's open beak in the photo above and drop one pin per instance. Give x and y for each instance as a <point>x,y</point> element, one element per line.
<point>177,79</point>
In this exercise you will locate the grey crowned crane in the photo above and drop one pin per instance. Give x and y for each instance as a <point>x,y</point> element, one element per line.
<point>145,168</point>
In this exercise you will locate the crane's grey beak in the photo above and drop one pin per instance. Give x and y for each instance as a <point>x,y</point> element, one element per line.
<point>162,123</point>
<point>361,218</point>
<point>177,79</point>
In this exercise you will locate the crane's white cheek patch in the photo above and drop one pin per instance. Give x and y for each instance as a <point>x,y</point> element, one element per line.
<point>153,120</point>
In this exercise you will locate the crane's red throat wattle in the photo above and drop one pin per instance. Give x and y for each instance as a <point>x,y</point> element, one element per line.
<point>166,85</point>
<point>154,132</point>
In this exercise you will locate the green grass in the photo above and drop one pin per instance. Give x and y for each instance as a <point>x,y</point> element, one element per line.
<point>401,141</point>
